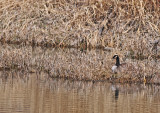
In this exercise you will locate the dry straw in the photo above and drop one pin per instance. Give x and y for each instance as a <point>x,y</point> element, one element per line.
<point>129,25</point>
<point>94,65</point>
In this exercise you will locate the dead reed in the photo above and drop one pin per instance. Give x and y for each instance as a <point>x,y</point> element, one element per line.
<point>126,25</point>
<point>94,65</point>
<point>15,58</point>
<point>130,28</point>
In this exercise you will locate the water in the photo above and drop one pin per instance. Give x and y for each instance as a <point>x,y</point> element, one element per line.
<point>38,93</point>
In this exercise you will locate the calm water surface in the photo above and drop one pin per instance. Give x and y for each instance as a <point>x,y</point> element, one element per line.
<point>37,93</point>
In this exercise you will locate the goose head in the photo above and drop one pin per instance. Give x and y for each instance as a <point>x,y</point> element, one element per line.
<point>117,60</point>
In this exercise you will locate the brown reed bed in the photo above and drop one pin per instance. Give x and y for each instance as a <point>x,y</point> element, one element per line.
<point>74,64</point>
<point>127,25</point>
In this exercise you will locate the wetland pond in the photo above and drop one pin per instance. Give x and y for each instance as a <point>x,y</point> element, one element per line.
<point>40,85</point>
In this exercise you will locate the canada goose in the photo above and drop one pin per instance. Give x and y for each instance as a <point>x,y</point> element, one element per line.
<point>117,66</point>
<point>125,68</point>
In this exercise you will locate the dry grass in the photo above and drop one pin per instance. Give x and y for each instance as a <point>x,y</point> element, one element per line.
<point>94,65</point>
<point>15,58</point>
<point>129,28</point>
<point>124,24</point>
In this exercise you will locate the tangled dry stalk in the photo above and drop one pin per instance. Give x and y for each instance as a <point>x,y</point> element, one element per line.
<point>129,25</point>
<point>94,65</point>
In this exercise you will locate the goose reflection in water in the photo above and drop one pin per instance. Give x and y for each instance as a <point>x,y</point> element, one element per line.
<point>116,91</point>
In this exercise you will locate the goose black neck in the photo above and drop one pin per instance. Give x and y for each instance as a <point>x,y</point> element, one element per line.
<point>117,61</point>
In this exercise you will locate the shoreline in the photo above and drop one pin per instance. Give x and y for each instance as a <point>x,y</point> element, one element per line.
<point>112,80</point>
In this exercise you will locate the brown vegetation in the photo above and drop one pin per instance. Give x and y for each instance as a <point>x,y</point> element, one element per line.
<point>127,25</point>
<point>129,28</point>
<point>94,65</point>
